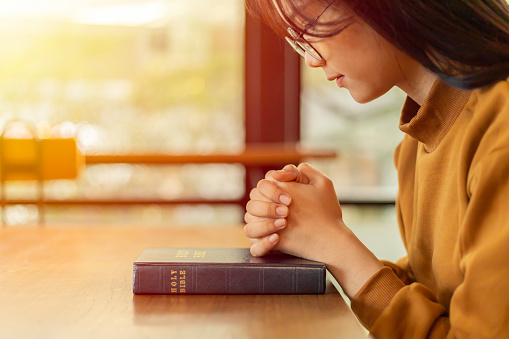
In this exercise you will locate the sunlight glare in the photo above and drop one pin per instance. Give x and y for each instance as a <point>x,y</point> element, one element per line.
<point>39,8</point>
<point>125,15</point>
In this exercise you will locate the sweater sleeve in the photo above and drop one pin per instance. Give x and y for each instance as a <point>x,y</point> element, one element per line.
<point>402,270</point>
<point>479,306</point>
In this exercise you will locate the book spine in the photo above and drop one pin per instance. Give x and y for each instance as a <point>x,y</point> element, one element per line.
<point>227,279</point>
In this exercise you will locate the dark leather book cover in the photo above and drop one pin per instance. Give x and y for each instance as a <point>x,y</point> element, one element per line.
<point>224,271</point>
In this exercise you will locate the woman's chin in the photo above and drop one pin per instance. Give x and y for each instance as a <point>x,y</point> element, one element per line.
<point>364,95</point>
<point>362,98</point>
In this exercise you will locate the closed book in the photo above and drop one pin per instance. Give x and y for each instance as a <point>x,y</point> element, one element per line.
<point>224,271</point>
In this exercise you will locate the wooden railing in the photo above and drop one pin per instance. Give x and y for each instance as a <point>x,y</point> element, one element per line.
<point>256,158</point>
<point>253,155</point>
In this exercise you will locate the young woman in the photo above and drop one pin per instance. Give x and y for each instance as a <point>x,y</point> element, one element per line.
<point>452,59</point>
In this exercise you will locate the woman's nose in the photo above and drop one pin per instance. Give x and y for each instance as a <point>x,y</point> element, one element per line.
<point>312,61</point>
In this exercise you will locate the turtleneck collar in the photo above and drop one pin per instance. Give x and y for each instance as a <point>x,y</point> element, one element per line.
<point>430,122</point>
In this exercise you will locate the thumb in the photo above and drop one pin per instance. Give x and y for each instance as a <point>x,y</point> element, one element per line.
<point>290,173</point>
<point>308,171</point>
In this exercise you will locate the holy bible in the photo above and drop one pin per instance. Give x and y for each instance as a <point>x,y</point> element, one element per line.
<point>224,271</point>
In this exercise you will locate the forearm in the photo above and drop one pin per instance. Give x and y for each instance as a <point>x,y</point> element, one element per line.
<point>348,260</point>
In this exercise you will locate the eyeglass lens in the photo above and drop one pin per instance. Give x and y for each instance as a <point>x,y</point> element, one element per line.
<point>302,47</point>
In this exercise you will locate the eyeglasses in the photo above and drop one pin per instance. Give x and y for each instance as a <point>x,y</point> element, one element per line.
<point>301,45</point>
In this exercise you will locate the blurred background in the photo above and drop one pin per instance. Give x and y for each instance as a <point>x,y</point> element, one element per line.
<point>141,76</point>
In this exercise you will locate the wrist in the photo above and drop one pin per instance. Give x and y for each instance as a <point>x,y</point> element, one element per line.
<point>350,262</point>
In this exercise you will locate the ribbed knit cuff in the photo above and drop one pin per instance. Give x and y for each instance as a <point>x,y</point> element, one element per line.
<point>375,295</point>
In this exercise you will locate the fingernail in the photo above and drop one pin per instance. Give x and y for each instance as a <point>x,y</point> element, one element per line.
<point>273,238</point>
<point>285,199</point>
<point>282,211</point>
<point>279,223</point>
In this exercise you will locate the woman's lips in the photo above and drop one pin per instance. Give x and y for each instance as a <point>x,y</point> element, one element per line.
<point>339,81</point>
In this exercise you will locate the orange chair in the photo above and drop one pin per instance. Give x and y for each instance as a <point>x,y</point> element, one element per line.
<point>24,158</point>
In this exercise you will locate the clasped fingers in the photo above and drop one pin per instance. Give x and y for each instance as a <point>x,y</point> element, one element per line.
<point>269,190</point>
<point>262,246</point>
<point>264,228</point>
<point>265,209</point>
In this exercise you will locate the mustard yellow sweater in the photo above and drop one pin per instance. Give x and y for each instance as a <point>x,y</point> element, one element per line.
<point>453,213</point>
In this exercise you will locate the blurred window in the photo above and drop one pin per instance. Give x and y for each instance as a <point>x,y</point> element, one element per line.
<point>364,136</point>
<point>126,75</point>
<point>122,76</point>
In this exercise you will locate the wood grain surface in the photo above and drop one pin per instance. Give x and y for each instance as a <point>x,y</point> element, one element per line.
<point>76,282</point>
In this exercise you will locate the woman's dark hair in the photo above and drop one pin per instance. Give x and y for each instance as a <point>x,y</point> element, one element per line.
<point>464,42</point>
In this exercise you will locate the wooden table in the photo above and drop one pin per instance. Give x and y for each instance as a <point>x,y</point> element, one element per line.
<point>76,282</point>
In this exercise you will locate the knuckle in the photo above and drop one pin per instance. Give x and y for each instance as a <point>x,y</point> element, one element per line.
<point>268,175</point>
<point>249,218</point>
<point>326,181</point>
<point>262,183</point>
<point>253,194</point>
<point>250,206</point>
<point>290,167</point>
<point>269,189</point>
<point>304,165</point>
<point>253,207</point>
<point>247,231</point>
